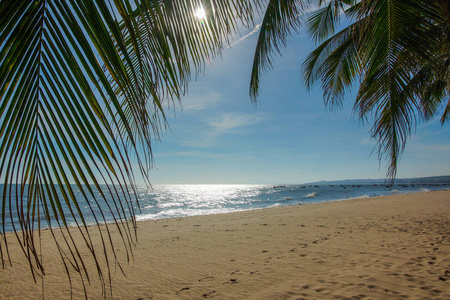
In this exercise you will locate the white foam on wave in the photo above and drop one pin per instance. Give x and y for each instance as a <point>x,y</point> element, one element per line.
<point>424,190</point>
<point>286,199</point>
<point>181,213</point>
<point>358,197</point>
<point>311,195</point>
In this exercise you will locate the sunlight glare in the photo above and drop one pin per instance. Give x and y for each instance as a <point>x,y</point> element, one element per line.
<point>200,13</point>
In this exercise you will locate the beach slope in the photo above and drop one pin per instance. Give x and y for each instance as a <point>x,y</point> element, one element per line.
<point>394,247</point>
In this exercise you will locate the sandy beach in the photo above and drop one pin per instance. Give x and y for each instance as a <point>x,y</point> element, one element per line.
<point>394,247</point>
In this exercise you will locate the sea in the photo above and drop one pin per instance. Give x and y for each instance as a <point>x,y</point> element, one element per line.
<point>176,201</point>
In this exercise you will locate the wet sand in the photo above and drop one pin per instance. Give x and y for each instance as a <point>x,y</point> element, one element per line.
<point>395,247</point>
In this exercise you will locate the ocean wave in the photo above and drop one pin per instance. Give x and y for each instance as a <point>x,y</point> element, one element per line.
<point>311,195</point>
<point>181,213</point>
<point>189,200</point>
<point>286,199</point>
<point>358,197</point>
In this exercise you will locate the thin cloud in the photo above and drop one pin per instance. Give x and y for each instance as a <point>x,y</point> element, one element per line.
<point>432,150</point>
<point>201,102</point>
<point>192,154</point>
<point>368,142</point>
<point>211,132</point>
<point>229,121</point>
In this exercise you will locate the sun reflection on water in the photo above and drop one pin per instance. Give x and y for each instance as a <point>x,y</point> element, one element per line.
<point>188,200</point>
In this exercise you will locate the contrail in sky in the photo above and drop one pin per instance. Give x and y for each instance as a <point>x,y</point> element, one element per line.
<point>255,30</point>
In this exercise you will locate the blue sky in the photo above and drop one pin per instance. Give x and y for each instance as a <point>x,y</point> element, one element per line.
<point>217,136</point>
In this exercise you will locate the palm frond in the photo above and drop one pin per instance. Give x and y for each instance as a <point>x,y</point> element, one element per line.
<point>322,22</point>
<point>82,89</point>
<point>336,63</point>
<point>280,18</point>
<point>396,48</point>
<point>54,132</point>
<point>397,31</point>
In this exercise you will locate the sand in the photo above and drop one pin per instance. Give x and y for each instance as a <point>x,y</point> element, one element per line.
<point>395,247</point>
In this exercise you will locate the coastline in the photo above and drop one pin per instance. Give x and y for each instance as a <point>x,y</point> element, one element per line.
<point>392,247</point>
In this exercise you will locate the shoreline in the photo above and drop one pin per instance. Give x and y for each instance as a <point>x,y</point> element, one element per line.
<point>277,205</point>
<point>139,218</point>
<point>381,247</point>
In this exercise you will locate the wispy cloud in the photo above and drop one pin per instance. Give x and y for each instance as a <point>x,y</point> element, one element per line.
<point>201,101</point>
<point>432,150</point>
<point>229,121</point>
<point>192,154</point>
<point>368,141</point>
<point>216,126</point>
<point>255,30</point>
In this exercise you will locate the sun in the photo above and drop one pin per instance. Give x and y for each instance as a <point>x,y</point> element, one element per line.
<point>200,13</point>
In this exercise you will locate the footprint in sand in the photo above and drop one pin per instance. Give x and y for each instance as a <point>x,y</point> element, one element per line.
<point>231,280</point>
<point>445,277</point>
<point>183,289</point>
<point>209,294</point>
<point>207,278</point>
<point>435,292</point>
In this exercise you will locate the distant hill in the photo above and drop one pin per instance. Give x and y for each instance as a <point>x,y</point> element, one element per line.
<point>421,180</point>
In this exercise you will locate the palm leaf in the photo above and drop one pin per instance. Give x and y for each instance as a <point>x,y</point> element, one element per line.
<point>398,30</point>
<point>50,106</point>
<point>83,84</point>
<point>322,22</point>
<point>397,49</point>
<point>336,63</point>
<point>280,18</point>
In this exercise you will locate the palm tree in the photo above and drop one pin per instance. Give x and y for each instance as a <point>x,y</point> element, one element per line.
<point>83,84</point>
<point>397,52</point>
